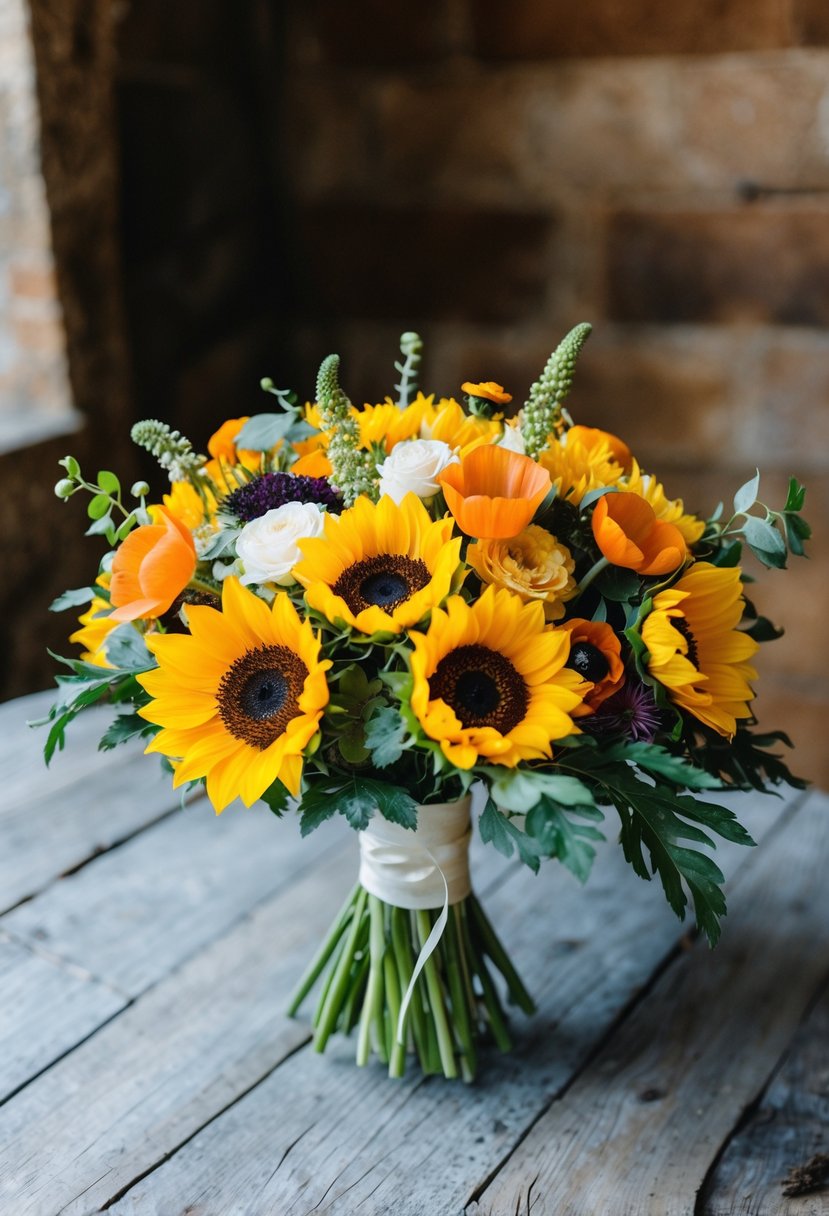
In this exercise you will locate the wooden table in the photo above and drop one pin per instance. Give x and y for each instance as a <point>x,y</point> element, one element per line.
<point>146,1066</point>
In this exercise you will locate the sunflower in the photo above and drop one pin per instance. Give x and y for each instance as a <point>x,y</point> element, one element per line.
<point>490,681</point>
<point>96,626</point>
<point>578,463</point>
<point>239,697</point>
<point>463,432</point>
<point>379,567</point>
<point>386,424</point>
<point>696,650</point>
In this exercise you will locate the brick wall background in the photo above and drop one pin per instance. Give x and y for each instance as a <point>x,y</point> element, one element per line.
<point>299,177</point>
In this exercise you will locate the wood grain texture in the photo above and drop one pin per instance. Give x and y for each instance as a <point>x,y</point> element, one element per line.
<point>52,820</point>
<point>639,1130</point>
<point>322,1136</point>
<point>789,1126</point>
<point>132,915</point>
<point>45,1010</point>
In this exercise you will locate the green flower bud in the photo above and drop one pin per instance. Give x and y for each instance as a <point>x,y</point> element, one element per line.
<point>65,488</point>
<point>139,489</point>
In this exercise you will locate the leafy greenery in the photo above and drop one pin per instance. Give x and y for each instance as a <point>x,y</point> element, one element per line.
<point>358,799</point>
<point>125,727</point>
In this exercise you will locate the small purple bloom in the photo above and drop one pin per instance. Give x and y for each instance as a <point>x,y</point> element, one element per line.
<point>631,711</point>
<point>273,490</point>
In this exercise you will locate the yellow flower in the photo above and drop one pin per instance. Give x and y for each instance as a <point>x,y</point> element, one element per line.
<point>488,390</point>
<point>97,625</point>
<point>448,422</point>
<point>186,505</point>
<point>380,567</point>
<point>695,649</point>
<point>490,681</point>
<point>387,425</point>
<point>668,510</point>
<point>239,698</point>
<point>577,464</point>
<point>532,564</point>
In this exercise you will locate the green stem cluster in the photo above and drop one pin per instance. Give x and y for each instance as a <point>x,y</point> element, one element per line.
<point>367,962</point>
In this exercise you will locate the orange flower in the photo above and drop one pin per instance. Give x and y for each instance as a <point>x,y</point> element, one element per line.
<point>489,390</point>
<point>313,464</point>
<point>150,568</point>
<point>222,443</point>
<point>493,493</point>
<point>593,438</point>
<point>596,655</point>
<point>629,534</point>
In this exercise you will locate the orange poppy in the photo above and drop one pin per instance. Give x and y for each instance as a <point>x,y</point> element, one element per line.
<point>489,390</point>
<point>596,655</point>
<point>313,464</point>
<point>150,568</point>
<point>493,493</point>
<point>591,437</point>
<point>629,534</point>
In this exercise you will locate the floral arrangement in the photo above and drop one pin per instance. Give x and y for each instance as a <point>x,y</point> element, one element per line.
<point>367,612</point>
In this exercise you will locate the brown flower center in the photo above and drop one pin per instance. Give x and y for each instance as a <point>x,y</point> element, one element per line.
<point>383,581</point>
<point>258,695</point>
<point>482,687</point>
<point>588,661</point>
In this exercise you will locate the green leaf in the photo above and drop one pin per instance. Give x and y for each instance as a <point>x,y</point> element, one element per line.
<point>73,599</point>
<point>617,584</point>
<point>386,736</point>
<point>71,465</point>
<point>746,496</point>
<point>264,431</point>
<point>98,506</point>
<point>126,649</point>
<point>794,499</point>
<point>277,798</point>
<point>101,527</point>
<point>496,829</point>
<point>352,749</point>
<point>730,555</point>
<point>765,542</point>
<point>660,822</point>
<point>357,804</point>
<point>655,759</point>
<point>762,630</point>
<point>124,727</point>
<point>517,790</point>
<point>316,807</point>
<point>560,835</point>
<point>108,482</point>
<point>396,805</point>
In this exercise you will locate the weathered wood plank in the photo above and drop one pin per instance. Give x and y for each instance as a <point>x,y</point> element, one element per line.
<point>135,913</point>
<point>45,1010</point>
<point>639,1130</point>
<point>129,1097</point>
<point>788,1128</point>
<point>62,829</point>
<point>53,820</point>
<point>363,1143</point>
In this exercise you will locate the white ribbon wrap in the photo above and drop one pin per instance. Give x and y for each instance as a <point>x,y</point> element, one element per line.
<point>427,868</point>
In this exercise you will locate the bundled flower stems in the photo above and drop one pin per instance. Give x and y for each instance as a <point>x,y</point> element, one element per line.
<point>374,612</point>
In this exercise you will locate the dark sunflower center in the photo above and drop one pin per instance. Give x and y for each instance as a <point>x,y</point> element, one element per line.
<point>681,626</point>
<point>482,687</point>
<point>258,696</point>
<point>383,581</point>
<point>588,661</point>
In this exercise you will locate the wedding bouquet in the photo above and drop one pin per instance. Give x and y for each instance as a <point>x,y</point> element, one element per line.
<point>367,612</point>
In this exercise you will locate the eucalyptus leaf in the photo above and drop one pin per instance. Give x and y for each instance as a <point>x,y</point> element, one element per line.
<point>264,431</point>
<point>746,496</point>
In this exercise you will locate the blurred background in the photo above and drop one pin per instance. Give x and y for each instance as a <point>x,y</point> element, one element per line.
<point>194,195</point>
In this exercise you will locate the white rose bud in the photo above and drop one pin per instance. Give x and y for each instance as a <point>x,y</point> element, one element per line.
<point>513,440</point>
<point>268,546</point>
<point>413,467</point>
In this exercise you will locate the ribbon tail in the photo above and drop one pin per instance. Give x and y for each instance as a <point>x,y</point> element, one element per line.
<point>426,951</point>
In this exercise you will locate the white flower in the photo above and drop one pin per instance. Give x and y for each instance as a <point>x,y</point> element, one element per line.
<point>413,466</point>
<point>513,440</point>
<point>268,546</point>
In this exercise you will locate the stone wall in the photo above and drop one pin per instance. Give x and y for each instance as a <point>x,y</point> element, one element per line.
<point>491,174</point>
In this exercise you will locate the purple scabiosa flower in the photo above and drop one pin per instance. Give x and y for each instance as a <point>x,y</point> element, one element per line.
<point>631,711</point>
<point>273,490</point>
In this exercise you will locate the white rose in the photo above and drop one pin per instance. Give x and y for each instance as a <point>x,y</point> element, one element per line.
<point>413,466</point>
<point>513,440</point>
<point>268,546</point>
